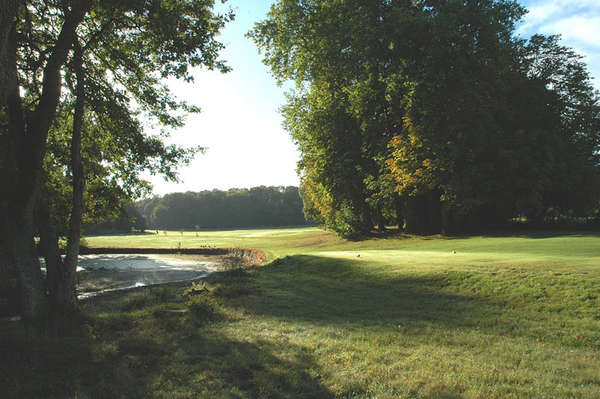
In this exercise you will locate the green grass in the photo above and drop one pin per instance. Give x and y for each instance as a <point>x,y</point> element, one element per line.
<point>502,317</point>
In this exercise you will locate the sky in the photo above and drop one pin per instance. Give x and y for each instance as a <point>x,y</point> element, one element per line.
<point>240,125</point>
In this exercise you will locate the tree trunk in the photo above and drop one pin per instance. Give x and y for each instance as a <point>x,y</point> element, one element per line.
<point>18,223</point>
<point>424,214</point>
<point>22,164</point>
<point>8,13</point>
<point>66,300</point>
<point>28,272</point>
<point>60,279</point>
<point>399,204</point>
<point>380,219</point>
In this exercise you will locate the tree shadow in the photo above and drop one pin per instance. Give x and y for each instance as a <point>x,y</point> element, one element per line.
<point>345,292</point>
<point>40,367</point>
<point>522,232</point>
<point>147,232</point>
<point>538,234</point>
<point>110,356</point>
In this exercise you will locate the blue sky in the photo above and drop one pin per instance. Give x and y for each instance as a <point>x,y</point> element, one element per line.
<point>578,21</point>
<point>240,124</point>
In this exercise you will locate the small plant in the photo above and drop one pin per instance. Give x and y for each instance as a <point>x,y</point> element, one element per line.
<point>198,288</point>
<point>232,263</point>
<point>233,268</point>
<point>202,307</point>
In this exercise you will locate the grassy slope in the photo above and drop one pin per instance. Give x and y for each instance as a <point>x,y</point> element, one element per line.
<point>502,317</point>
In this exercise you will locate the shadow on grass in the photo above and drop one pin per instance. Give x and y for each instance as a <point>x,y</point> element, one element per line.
<point>151,354</point>
<point>518,231</point>
<point>335,291</point>
<point>121,233</point>
<point>545,233</point>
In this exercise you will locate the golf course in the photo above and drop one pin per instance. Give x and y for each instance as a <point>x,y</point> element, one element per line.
<point>303,199</point>
<point>393,316</point>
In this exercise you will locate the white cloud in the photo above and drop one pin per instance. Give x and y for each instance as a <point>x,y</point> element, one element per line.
<point>578,22</point>
<point>538,15</point>
<point>246,144</point>
<point>239,122</point>
<point>577,28</point>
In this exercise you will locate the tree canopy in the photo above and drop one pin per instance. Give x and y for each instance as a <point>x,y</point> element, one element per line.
<point>215,209</point>
<point>81,82</point>
<point>432,114</point>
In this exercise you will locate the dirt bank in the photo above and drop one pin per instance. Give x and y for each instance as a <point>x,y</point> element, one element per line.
<point>250,256</point>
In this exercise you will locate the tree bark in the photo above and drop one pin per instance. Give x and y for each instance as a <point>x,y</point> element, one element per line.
<point>64,298</point>
<point>424,213</point>
<point>8,14</point>
<point>400,205</point>
<point>24,161</point>
<point>60,279</point>
<point>49,246</point>
<point>18,219</point>
<point>380,218</point>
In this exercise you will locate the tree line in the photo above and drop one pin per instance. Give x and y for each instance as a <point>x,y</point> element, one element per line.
<point>215,209</point>
<point>432,114</point>
<point>255,207</point>
<point>80,82</point>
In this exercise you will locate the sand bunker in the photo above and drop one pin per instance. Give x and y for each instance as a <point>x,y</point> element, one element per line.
<point>103,273</point>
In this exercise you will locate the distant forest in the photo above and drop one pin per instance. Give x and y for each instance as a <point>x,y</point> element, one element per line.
<point>238,207</point>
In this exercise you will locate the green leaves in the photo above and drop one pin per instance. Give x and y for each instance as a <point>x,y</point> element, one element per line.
<point>128,49</point>
<point>435,100</point>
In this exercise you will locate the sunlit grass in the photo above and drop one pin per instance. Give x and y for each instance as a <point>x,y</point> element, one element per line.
<point>390,317</point>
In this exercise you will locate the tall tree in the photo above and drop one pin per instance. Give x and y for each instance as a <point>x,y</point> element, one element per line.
<point>95,57</point>
<point>431,112</point>
<point>338,114</point>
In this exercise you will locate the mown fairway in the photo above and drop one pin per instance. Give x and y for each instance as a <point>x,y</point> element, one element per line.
<point>502,317</point>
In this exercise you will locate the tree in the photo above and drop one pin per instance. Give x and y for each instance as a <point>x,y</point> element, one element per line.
<point>88,59</point>
<point>560,74</point>
<point>432,113</point>
<point>338,114</point>
<point>254,207</point>
<point>445,156</point>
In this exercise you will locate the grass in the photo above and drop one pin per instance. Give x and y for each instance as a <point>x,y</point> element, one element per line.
<point>389,317</point>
